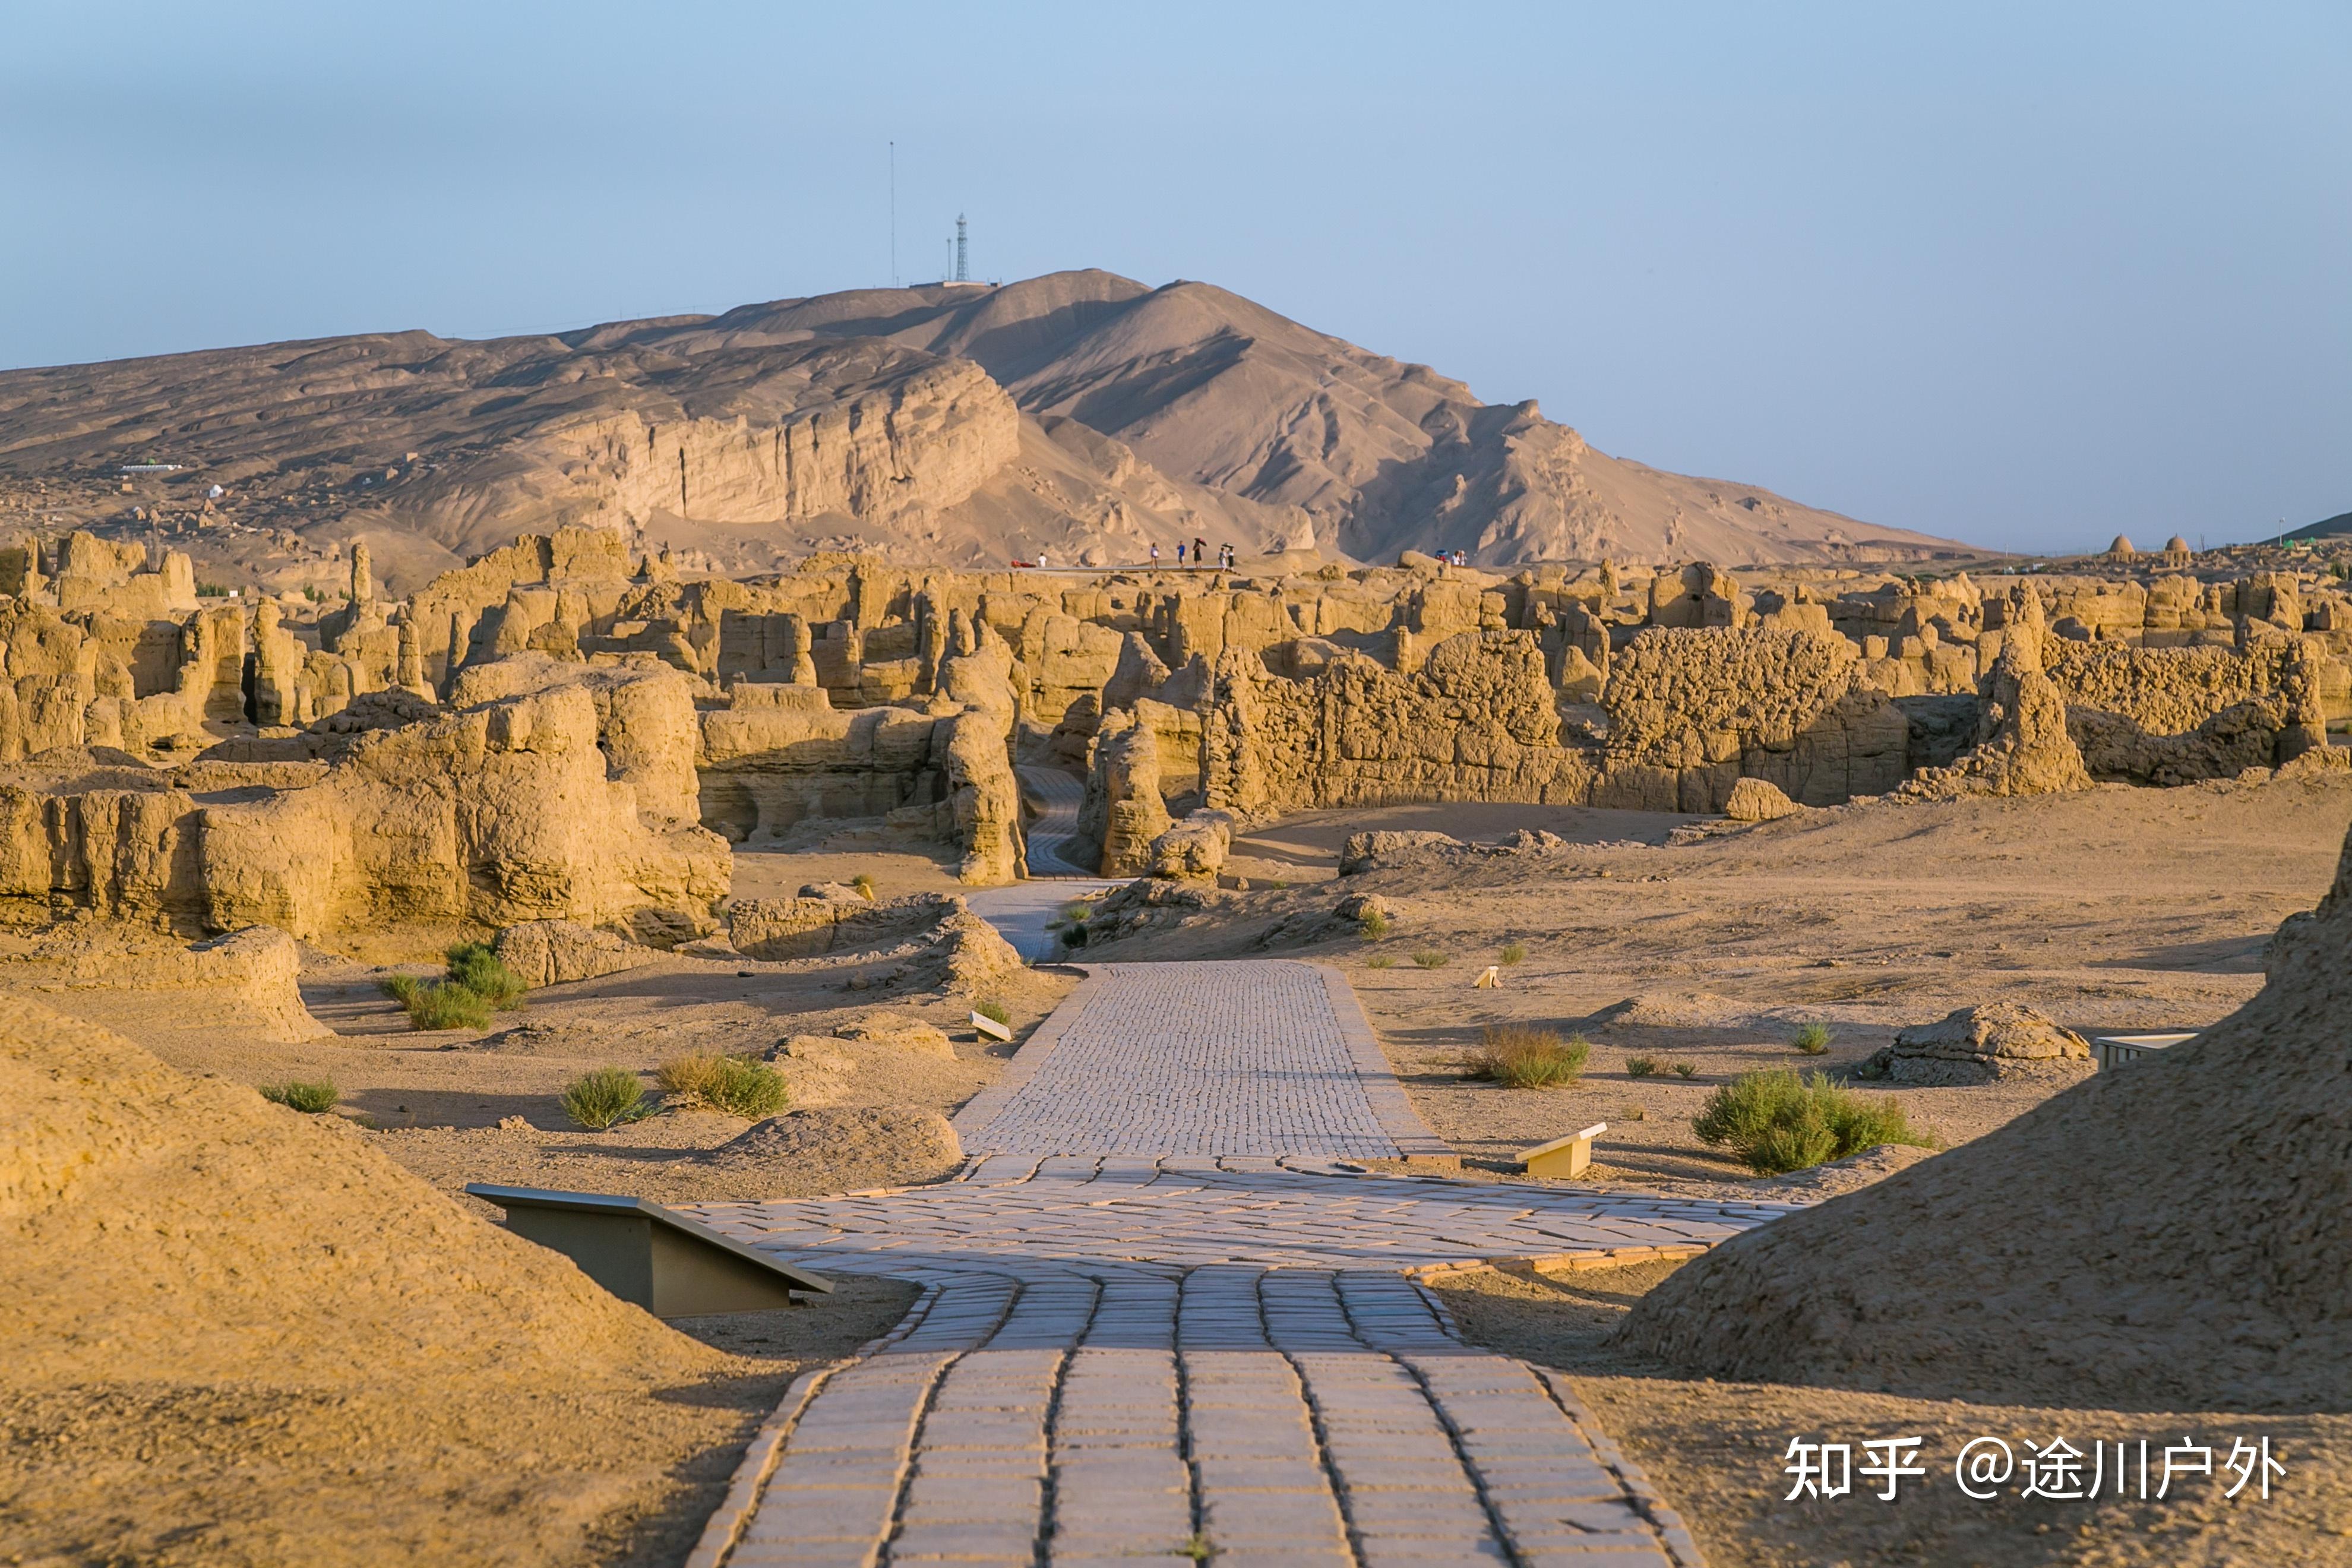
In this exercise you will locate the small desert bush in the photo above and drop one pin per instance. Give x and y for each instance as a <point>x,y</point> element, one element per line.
<point>483,972</point>
<point>1686,1069</point>
<point>1641,1066</point>
<point>1777,1120</point>
<point>605,1097</point>
<point>1520,1057</point>
<point>438,1003</point>
<point>1374,926</point>
<point>312,1098</point>
<point>996,1010</point>
<point>864,884</point>
<point>1380,961</point>
<point>743,1086</point>
<point>1812,1039</point>
<point>1514,952</point>
<point>1431,959</point>
<point>1077,909</point>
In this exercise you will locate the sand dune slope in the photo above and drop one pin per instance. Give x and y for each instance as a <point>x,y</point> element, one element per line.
<point>237,1334</point>
<point>2169,1235</point>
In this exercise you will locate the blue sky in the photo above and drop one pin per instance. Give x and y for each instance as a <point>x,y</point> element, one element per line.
<point>2025,275</point>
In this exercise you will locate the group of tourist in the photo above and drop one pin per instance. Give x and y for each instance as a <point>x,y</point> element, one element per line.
<point>1225,557</point>
<point>1200,556</point>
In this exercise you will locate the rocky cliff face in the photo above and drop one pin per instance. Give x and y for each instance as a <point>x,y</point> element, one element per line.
<point>1368,454</point>
<point>921,443</point>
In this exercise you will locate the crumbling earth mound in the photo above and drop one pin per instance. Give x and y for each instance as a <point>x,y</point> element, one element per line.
<point>2169,1235</point>
<point>1758,800</point>
<point>1978,1044</point>
<point>552,953</point>
<point>238,1334</point>
<point>905,1146</point>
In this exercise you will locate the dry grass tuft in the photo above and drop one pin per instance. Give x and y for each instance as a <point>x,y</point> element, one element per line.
<point>605,1097</point>
<point>1778,1121</point>
<point>438,1003</point>
<point>1517,1057</point>
<point>481,971</point>
<point>741,1086</point>
<point>311,1097</point>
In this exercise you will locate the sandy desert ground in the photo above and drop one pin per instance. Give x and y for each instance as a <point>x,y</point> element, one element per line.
<point>2119,908</point>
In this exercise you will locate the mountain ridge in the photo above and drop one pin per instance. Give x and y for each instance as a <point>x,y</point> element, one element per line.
<point>1080,413</point>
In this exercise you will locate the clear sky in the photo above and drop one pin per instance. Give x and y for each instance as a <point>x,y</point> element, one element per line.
<point>2027,275</point>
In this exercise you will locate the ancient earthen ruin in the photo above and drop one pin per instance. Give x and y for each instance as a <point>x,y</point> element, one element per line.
<point>558,732</point>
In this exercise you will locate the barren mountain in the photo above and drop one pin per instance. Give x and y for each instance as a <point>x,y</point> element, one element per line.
<point>1080,413</point>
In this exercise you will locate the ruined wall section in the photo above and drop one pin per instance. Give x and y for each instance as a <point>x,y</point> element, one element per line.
<point>1478,721</point>
<point>2168,716</point>
<point>1692,712</point>
<point>2167,690</point>
<point>471,820</point>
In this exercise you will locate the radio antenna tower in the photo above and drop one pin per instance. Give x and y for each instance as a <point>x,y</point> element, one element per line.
<point>894,215</point>
<point>961,276</point>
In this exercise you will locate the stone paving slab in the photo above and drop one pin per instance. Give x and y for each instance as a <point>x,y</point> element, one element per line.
<point>1265,1058</point>
<point>1122,1355</point>
<point>1057,848</point>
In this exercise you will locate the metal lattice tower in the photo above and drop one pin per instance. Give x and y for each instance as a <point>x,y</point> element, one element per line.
<point>961,275</point>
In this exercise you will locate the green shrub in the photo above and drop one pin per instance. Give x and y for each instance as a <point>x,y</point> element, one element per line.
<point>1431,959</point>
<point>1812,1039</point>
<point>864,884</point>
<point>1514,952</point>
<point>996,1010</point>
<point>1380,961</point>
<point>1374,926</point>
<point>481,971</point>
<point>1686,1069</point>
<point>311,1097</point>
<point>1641,1066</point>
<point>1776,1122</point>
<point>605,1097</point>
<point>1517,1057</point>
<point>743,1086</point>
<point>438,1003</point>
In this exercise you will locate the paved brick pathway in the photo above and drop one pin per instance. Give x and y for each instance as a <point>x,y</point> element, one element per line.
<point>1247,1057</point>
<point>1054,847</point>
<point>1122,1356</point>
